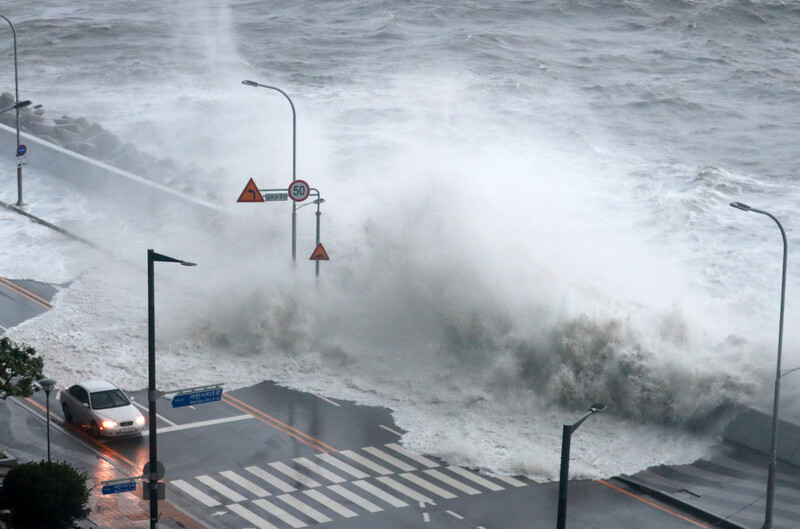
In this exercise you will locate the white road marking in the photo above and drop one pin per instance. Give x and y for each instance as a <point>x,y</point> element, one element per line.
<point>511,481</point>
<point>355,498</point>
<point>418,458</point>
<point>426,517</point>
<point>389,459</point>
<point>333,505</point>
<point>201,424</point>
<point>219,487</point>
<point>452,482</point>
<point>280,513</point>
<point>144,408</point>
<point>455,515</point>
<point>245,483</point>
<point>378,493</point>
<point>413,478</point>
<point>329,401</point>
<point>475,478</point>
<point>361,460</point>
<point>269,478</point>
<point>200,496</point>
<point>398,434</point>
<point>325,473</point>
<point>251,517</point>
<point>399,487</point>
<point>305,509</point>
<point>292,473</point>
<point>341,465</point>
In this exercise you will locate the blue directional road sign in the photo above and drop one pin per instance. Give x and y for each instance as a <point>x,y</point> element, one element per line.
<point>198,397</point>
<point>128,486</point>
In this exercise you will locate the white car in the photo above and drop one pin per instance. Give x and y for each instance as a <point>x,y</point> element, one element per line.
<point>102,407</point>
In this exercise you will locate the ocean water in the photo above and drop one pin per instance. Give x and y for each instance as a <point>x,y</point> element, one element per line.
<point>526,212</point>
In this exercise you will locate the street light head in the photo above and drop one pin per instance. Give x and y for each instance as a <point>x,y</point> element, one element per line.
<point>187,263</point>
<point>23,104</point>
<point>739,205</point>
<point>319,201</point>
<point>597,407</point>
<point>249,83</point>
<point>47,384</point>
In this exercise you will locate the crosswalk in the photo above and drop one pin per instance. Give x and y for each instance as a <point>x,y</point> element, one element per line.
<point>340,485</point>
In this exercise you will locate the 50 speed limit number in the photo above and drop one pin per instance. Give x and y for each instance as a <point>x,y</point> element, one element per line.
<point>299,190</point>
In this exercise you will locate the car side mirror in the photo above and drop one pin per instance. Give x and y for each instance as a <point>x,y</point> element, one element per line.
<point>85,404</point>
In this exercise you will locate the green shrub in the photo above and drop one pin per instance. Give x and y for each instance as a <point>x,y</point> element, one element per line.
<point>48,495</point>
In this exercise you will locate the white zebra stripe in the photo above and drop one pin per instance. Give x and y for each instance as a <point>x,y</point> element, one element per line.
<point>413,478</point>
<point>329,503</point>
<point>341,465</point>
<point>361,460</point>
<point>399,487</point>
<point>251,517</point>
<point>324,472</point>
<point>424,461</point>
<point>200,496</point>
<point>378,493</point>
<point>355,498</point>
<point>292,473</point>
<point>452,482</point>
<point>475,478</point>
<point>305,509</point>
<point>277,512</point>
<point>219,487</point>
<point>245,483</point>
<point>389,459</point>
<point>269,478</point>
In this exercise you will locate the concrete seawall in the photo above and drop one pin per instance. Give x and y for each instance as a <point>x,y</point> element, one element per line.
<point>128,190</point>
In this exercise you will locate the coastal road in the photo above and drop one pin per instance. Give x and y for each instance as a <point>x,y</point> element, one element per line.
<point>271,458</point>
<point>23,299</point>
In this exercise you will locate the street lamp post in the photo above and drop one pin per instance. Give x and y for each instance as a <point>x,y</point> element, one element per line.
<point>564,477</point>
<point>294,160</point>
<point>47,385</point>
<point>17,107</point>
<point>152,393</point>
<point>318,201</point>
<point>773,448</point>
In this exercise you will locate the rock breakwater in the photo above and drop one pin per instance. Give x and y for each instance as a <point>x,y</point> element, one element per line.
<point>92,140</point>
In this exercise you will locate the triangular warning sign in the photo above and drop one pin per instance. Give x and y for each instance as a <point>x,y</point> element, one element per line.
<point>251,193</point>
<point>319,254</point>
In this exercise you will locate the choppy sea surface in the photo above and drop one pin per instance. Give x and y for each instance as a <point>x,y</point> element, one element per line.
<point>526,209</point>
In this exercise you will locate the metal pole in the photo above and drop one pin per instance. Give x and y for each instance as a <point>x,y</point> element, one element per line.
<point>319,214</point>
<point>151,391</point>
<point>294,160</point>
<point>564,477</point>
<point>773,448</point>
<point>16,100</point>
<point>48,425</point>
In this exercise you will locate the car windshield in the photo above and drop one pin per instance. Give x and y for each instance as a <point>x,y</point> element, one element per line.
<point>112,398</point>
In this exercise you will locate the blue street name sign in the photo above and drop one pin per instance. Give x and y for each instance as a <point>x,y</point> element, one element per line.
<point>199,397</point>
<point>128,486</point>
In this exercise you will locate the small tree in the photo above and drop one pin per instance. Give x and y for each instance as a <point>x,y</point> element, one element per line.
<point>19,369</point>
<point>47,494</point>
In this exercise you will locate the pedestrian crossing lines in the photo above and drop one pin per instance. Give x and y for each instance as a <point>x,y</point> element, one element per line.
<point>304,492</point>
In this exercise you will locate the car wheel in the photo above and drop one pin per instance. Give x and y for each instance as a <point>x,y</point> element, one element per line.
<point>67,413</point>
<point>95,429</point>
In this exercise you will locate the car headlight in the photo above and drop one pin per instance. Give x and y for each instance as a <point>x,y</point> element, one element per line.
<point>109,424</point>
<point>139,420</point>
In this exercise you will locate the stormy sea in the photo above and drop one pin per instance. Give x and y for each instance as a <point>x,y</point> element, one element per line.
<point>526,211</point>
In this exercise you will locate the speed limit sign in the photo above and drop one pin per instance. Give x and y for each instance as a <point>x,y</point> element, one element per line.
<point>299,190</point>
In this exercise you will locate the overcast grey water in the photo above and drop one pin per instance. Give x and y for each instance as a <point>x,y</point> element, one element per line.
<point>526,210</point>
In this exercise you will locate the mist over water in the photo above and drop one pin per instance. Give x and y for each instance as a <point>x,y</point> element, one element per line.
<point>526,212</point>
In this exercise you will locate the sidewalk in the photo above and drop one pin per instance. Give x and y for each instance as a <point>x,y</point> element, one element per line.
<point>729,485</point>
<point>24,437</point>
